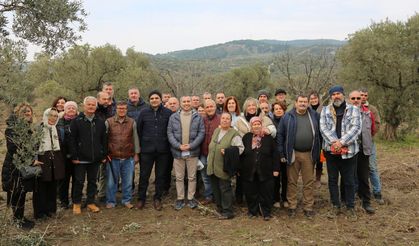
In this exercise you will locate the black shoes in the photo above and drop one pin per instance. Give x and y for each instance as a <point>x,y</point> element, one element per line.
<point>379,199</point>
<point>291,213</point>
<point>367,207</point>
<point>309,214</point>
<point>25,224</point>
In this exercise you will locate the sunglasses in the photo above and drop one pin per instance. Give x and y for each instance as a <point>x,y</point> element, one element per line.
<point>355,98</point>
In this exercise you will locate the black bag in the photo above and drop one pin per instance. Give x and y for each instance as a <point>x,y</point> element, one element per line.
<point>29,172</point>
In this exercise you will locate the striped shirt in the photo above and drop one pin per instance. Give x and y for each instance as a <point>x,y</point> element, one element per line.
<point>351,128</point>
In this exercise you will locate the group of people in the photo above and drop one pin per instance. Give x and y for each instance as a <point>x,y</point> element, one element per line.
<point>260,150</point>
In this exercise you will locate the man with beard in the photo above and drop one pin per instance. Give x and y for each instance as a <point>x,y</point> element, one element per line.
<point>220,99</point>
<point>340,126</point>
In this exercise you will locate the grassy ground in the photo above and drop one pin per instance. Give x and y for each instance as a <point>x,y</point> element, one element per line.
<point>395,223</point>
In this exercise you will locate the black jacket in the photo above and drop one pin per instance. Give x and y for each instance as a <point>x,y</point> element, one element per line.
<point>152,130</point>
<point>263,161</point>
<point>231,160</point>
<point>63,127</point>
<point>135,109</point>
<point>10,175</point>
<point>88,140</point>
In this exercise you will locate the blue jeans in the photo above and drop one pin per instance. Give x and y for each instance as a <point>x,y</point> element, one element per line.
<point>205,179</point>
<point>346,168</point>
<point>374,175</point>
<point>123,168</point>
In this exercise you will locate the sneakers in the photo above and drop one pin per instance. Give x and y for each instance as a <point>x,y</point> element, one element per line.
<point>309,214</point>
<point>179,204</point>
<point>277,205</point>
<point>128,205</point>
<point>379,199</point>
<point>285,204</point>
<point>92,208</point>
<point>25,224</point>
<point>267,217</point>
<point>76,209</point>
<point>157,205</point>
<point>192,204</point>
<point>351,215</point>
<point>333,212</point>
<point>291,213</point>
<point>110,205</point>
<point>367,207</point>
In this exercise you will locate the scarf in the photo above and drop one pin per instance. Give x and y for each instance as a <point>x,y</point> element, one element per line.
<point>50,141</point>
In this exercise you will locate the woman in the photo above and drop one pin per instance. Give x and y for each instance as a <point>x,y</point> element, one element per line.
<point>223,138</point>
<point>12,181</point>
<point>314,100</point>
<point>259,164</point>
<point>251,109</point>
<point>52,164</point>
<point>63,126</point>
<point>201,110</point>
<point>232,106</point>
<point>58,103</point>
<point>280,195</point>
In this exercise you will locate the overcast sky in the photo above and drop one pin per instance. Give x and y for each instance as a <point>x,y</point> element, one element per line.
<point>163,26</point>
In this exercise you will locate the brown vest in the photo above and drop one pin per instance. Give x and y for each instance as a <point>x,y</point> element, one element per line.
<point>120,138</point>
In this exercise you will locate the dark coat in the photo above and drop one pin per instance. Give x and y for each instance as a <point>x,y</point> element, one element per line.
<point>63,128</point>
<point>231,160</point>
<point>152,130</point>
<point>134,110</point>
<point>88,140</point>
<point>287,132</point>
<point>10,175</point>
<point>53,167</point>
<point>263,161</point>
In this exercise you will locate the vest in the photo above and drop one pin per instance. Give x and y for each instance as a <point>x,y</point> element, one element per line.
<point>215,158</point>
<point>120,138</point>
<point>210,126</point>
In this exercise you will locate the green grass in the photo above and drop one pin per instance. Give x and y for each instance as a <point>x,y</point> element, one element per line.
<point>411,141</point>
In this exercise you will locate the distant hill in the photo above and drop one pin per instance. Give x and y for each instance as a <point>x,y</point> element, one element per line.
<point>239,49</point>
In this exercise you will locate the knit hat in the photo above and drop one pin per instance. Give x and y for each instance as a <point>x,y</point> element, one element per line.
<point>255,119</point>
<point>336,88</point>
<point>70,103</point>
<point>263,92</point>
<point>154,92</point>
<point>279,91</point>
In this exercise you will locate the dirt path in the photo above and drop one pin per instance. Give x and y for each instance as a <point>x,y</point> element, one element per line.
<point>395,223</point>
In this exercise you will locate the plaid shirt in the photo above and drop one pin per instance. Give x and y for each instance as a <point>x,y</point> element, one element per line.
<point>351,128</point>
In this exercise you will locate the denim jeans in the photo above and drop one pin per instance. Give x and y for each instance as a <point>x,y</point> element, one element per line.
<point>205,178</point>
<point>346,168</point>
<point>123,168</point>
<point>374,175</point>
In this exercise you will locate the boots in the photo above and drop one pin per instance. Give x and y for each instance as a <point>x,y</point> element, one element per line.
<point>76,209</point>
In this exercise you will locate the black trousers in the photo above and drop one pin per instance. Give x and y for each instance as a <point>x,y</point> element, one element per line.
<point>259,195</point>
<point>45,199</point>
<point>239,189</point>
<point>223,195</point>
<point>168,175</point>
<point>64,184</point>
<point>80,172</point>
<point>16,199</point>
<point>280,184</point>
<point>146,166</point>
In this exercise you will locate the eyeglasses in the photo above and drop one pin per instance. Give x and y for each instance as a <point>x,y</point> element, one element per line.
<point>355,98</point>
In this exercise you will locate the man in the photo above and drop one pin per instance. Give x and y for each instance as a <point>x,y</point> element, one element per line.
<point>206,96</point>
<point>173,104</point>
<point>220,99</point>
<point>88,149</point>
<point>263,96</point>
<point>152,131</point>
<point>374,174</point>
<point>123,147</point>
<point>103,111</point>
<point>196,101</point>
<point>165,98</point>
<point>280,95</point>
<point>108,88</point>
<point>135,103</point>
<point>299,145</point>
<point>340,126</point>
<point>211,122</point>
<point>185,132</point>
<point>365,149</point>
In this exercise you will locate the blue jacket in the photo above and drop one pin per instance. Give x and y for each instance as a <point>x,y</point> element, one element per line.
<point>196,134</point>
<point>134,110</point>
<point>152,130</point>
<point>287,129</point>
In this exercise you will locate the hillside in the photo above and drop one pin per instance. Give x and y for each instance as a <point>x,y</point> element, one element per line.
<point>240,49</point>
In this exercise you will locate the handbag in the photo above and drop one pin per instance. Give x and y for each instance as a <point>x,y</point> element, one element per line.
<point>29,172</point>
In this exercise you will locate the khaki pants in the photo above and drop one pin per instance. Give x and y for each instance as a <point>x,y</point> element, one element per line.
<point>179,165</point>
<point>303,164</point>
